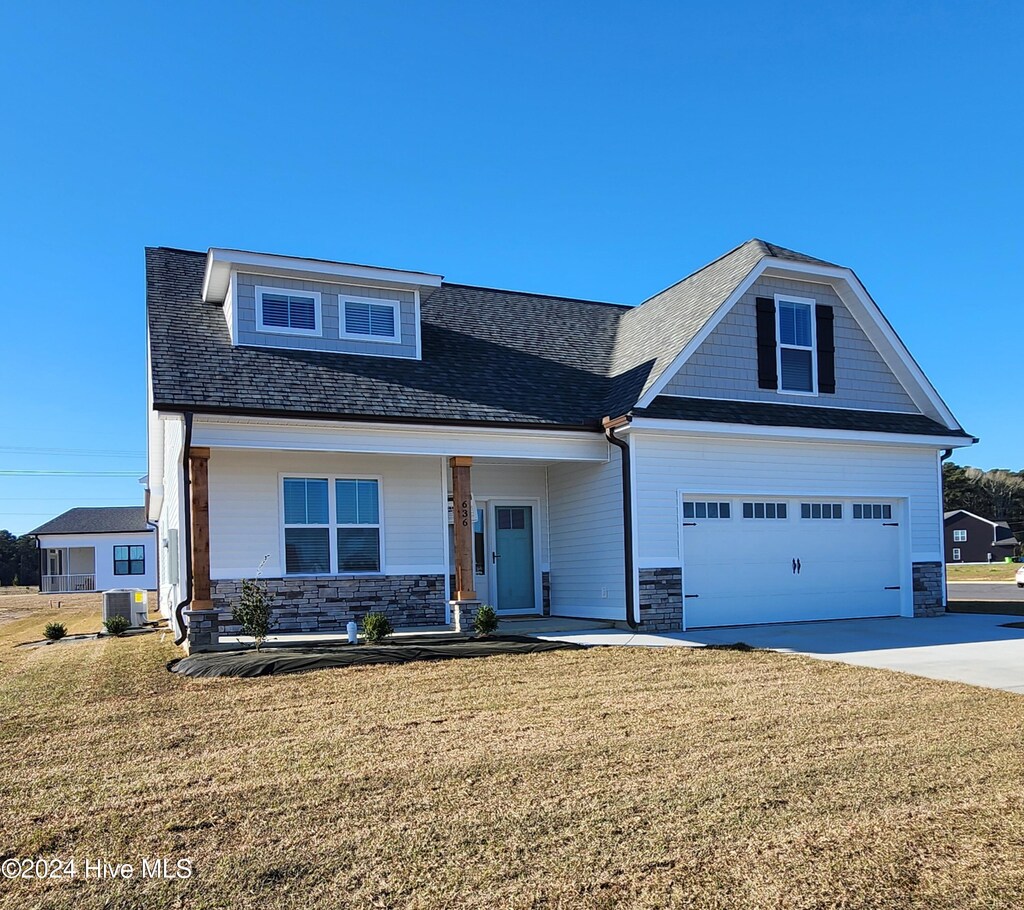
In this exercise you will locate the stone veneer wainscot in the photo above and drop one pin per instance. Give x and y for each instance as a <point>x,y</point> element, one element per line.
<point>326,603</point>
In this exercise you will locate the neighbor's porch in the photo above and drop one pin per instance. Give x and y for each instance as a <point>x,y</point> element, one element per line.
<point>530,524</point>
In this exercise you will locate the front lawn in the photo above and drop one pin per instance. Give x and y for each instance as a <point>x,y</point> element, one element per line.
<point>601,778</point>
<point>996,571</point>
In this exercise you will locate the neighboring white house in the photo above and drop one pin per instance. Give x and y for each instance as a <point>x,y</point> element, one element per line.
<point>96,549</point>
<point>753,444</point>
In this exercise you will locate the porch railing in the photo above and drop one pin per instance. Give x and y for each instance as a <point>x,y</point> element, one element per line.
<point>67,584</point>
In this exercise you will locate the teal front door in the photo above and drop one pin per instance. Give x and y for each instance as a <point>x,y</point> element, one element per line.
<point>513,559</point>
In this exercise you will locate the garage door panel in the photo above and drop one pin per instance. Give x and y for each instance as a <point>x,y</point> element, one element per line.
<point>740,571</point>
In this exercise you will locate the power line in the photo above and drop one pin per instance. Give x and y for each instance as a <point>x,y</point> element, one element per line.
<point>80,453</point>
<point>57,474</point>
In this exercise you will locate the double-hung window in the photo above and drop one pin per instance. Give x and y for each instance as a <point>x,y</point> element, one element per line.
<point>796,344</point>
<point>358,525</point>
<point>130,560</point>
<point>307,526</point>
<point>959,535</point>
<point>331,525</point>
<point>282,311</point>
<point>371,319</point>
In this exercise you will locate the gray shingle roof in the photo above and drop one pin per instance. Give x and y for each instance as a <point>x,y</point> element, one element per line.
<point>489,356</point>
<point>109,520</point>
<point>756,413</point>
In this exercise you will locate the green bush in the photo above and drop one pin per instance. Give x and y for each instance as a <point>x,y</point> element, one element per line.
<point>486,620</point>
<point>252,613</point>
<point>376,627</point>
<point>116,625</point>
<point>55,631</point>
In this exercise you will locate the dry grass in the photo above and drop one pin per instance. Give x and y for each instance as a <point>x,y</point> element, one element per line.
<point>996,571</point>
<point>604,778</point>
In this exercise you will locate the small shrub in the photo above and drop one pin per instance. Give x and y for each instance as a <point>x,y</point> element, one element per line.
<point>486,620</point>
<point>55,631</point>
<point>376,627</point>
<point>253,611</point>
<point>117,625</point>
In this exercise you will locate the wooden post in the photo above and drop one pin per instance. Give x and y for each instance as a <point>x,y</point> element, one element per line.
<point>462,495</point>
<point>199,484</point>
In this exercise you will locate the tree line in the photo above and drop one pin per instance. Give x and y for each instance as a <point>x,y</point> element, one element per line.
<point>19,560</point>
<point>997,495</point>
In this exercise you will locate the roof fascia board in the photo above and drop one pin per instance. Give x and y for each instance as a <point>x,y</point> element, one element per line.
<point>220,262</point>
<point>907,369</point>
<point>666,375</point>
<point>986,520</point>
<point>707,427</point>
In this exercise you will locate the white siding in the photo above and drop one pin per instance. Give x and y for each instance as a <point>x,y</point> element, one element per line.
<point>103,545</point>
<point>245,523</point>
<point>666,464</point>
<point>515,481</point>
<point>586,535</point>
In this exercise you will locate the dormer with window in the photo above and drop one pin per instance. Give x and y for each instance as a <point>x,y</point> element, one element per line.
<point>309,304</point>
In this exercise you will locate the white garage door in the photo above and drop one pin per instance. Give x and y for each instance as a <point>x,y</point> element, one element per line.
<point>780,559</point>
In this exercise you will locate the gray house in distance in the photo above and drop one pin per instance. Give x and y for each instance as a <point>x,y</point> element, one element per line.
<point>971,538</point>
<point>753,444</point>
<point>96,549</point>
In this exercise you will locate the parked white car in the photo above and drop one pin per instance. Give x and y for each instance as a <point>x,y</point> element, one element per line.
<point>1020,577</point>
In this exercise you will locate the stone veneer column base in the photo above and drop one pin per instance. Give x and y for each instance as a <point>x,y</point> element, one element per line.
<point>325,603</point>
<point>661,600</point>
<point>203,630</point>
<point>928,599</point>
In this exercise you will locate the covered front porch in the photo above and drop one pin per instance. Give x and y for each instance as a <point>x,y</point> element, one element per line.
<point>350,521</point>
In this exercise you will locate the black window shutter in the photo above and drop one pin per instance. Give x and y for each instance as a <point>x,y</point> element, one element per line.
<point>767,368</point>
<point>824,319</point>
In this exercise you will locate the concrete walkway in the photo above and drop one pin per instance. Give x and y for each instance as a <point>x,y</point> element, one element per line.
<point>969,648</point>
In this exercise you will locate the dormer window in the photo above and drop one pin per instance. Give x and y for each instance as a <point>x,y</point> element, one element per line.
<point>796,344</point>
<point>371,319</point>
<point>282,311</point>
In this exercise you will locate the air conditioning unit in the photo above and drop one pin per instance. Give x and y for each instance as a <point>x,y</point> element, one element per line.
<point>131,603</point>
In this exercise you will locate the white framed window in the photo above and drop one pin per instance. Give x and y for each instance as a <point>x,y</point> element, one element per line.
<point>287,312</point>
<point>331,525</point>
<point>795,333</point>
<point>706,510</point>
<point>960,535</point>
<point>370,319</point>
<point>358,529</point>
<point>770,510</point>
<point>872,511</point>
<point>823,510</point>
<point>956,554</point>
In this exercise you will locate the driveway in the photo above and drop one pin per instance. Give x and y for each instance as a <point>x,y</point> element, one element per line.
<point>963,647</point>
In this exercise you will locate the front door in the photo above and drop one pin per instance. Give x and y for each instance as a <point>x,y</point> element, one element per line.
<point>512,559</point>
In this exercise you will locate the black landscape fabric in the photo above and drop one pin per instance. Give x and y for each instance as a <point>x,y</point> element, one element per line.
<point>274,660</point>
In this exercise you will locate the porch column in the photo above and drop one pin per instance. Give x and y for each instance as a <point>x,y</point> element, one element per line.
<point>199,485</point>
<point>462,496</point>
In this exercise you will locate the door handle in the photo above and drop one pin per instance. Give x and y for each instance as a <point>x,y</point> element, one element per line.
<point>494,557</point>
<point>796,566</point>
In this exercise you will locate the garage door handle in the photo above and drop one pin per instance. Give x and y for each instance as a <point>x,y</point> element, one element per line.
<point>689,524</point>
<point>687,596</point>
<point>796,566</point>
<point>890,524</point>
<point>892,587</point>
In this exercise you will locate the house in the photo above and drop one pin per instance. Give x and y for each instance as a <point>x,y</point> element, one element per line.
<point>971,538</point>
<point>753,444</point>
<point>96,550</point>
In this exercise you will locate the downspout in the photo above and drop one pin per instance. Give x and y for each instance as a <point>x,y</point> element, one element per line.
<point>186,492</point>
<point>610,426</point>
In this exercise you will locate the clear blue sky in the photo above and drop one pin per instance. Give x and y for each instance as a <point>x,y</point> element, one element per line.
<point>588,149</point>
